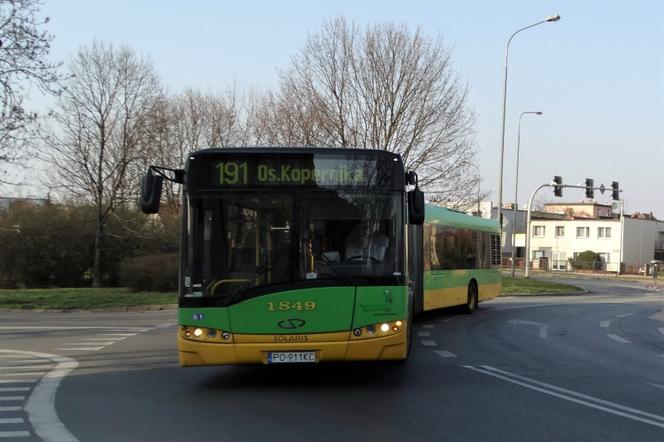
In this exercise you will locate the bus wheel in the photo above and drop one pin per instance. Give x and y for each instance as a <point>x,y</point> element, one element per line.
<point>471,303</point>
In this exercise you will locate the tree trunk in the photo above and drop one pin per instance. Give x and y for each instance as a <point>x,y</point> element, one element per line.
<point>96,271</point>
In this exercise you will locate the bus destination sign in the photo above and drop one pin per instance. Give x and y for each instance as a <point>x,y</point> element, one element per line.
<point>308,170</point>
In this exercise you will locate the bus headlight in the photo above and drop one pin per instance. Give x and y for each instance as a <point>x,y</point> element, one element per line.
<point>211,335</point>
<point>386,329</point>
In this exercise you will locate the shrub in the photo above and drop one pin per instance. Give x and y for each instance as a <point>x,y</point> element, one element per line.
<point>150,273</point>
<point>587,260</point>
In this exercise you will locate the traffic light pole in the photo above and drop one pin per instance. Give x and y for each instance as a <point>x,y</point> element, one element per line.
<point>530,205</point>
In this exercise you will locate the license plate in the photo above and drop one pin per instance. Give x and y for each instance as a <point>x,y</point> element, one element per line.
<point>291,357</point>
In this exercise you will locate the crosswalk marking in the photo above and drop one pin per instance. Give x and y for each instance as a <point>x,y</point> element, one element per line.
<point>11,398</point>
<point>11,420</point>
<point>429,343</point>
<point>12,408</point>
<point>13,389</point>
<point>445,354</point>
<point>80,349</point>
<point>14,434</point>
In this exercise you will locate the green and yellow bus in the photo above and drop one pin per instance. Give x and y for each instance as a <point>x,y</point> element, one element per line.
<point>300,255</point>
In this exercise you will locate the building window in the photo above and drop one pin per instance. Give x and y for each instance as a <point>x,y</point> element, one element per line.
<point>605,257</point>
<point>560,231</point>
<point>583,232</point>
<point>604,232</point>
<point>538,231</point>
<point>537,254</point>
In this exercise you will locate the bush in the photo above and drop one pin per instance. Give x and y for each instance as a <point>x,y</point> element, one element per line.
<point>587,260</point>
<point>150,273</point>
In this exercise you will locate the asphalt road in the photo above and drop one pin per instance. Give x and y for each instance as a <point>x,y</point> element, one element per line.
<point>585,367</point>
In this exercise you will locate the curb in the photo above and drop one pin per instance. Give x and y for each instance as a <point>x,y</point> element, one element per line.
<point>138,308</point>
<point>524,295</point>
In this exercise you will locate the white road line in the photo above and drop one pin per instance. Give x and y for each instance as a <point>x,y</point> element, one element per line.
<point>12,408</point>
<point>543,326</point>
<point>80,349</point>
<point>572,396</point>
<point>40,406</point>
<point>423,333</point>
<point>11,420</point>
<point>100,339</point>
<point>114,337</point>
<point>166,325</point>
<point>25,367</point>
<point>24,373</point>
<point>11,398</point>
<point>14,434</point>
<point>68,327</point>
<point>429,343</point>
<point>428,326</point>
<point>625,315</point>
<point>126,335</point>
<point>90,343</point>
<point>13,389</point>
<point>661,330</point>
<point>15,381</point>
<point>605,324</point>
<point>445,354</point>
<point>618,338</point>
<point>11,356</point>
<point>654,385</point>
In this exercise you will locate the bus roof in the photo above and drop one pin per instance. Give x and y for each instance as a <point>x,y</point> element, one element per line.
<point>446,217</point>
<point>294,150</point>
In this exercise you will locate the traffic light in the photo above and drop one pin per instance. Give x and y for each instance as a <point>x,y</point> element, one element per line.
<point>615,191</point>
<point>590,188</point>
<point>558,185</point>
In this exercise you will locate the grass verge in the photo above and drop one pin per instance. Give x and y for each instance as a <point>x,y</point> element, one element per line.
<point>81,298</point>
<point>529,286</point>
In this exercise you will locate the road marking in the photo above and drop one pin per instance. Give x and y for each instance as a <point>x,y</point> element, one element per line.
<point>166,325</point>
<point>625,315</point>
<point>605,324</point>
<point>423,333</point>
<point>445,354</point>
<point>428,326</point>
<point>15,381</point>
<point>12,408</point>
<point>429,343</point>
<point>126,335</point>
<point>572,396</point>
<point>114,337</point>
<point>25,373</point>
<point>91,343</point>
<point>14,434</point>
<point>11,420</point>
<point>99,339</point>
<point>25,367</point>
<point>40,406</point>
<point>80,349</point>
<point>44,328</point>
<point>653,384</point>
<point>11,356</point>
<point>661,330</point>
<point>618,338</point>
<point>11,398</point>
<point>13,389</point>
<point>543,327</point>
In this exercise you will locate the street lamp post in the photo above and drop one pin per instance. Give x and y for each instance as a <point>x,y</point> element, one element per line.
<point>478,185</point>
<point>553,18</point>
<point>516,187</point>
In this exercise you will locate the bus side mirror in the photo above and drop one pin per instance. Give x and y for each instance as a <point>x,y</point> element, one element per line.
<point>150,192</point>
<point>416,207</point>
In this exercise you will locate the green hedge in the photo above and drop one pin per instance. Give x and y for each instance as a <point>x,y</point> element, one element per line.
<point>150,273</point>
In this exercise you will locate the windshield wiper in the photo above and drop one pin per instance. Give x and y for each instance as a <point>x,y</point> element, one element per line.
<point>336,270</point>
<point>264,267</point>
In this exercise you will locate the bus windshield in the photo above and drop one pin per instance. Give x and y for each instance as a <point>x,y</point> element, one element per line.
<point>239,242</point>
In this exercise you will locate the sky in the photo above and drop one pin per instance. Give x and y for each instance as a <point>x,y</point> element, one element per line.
<point>597,74</point>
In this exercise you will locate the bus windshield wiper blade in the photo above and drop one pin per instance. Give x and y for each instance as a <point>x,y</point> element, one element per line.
<point>336,270</point>
<point>259,272</point>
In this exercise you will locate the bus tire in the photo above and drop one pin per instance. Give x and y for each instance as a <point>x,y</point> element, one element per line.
<point>472,299</point>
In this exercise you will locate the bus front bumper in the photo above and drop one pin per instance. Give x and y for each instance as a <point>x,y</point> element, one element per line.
<point>246,349</point>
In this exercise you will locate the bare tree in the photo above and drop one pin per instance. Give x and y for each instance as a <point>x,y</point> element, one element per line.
<point>24,49</point>
<point>98,129</point>
<point>384,88</point>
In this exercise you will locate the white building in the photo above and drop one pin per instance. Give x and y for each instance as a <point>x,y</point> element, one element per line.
<point>633,240</point>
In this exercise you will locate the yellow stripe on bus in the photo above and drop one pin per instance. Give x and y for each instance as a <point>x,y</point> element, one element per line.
<point>449,297</point>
